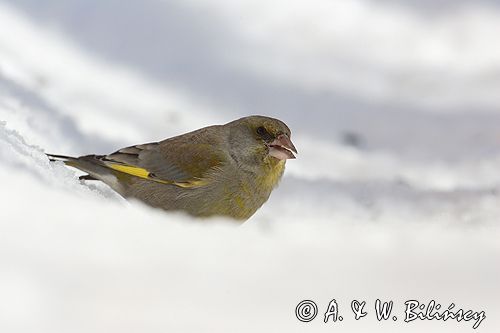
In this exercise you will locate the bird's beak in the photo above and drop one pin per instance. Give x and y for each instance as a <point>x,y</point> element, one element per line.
<point>282,148</point>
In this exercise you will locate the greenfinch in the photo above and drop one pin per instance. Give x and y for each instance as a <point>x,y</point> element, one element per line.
<point>221,170</point>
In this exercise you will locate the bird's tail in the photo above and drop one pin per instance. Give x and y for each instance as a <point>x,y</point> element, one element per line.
<point>62,158</point>
<point>70,161</point>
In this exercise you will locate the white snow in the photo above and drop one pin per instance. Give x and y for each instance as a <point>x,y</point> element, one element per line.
<point>394,194</point>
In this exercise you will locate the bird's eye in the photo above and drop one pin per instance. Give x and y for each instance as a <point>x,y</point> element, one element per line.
<point>261,131</point>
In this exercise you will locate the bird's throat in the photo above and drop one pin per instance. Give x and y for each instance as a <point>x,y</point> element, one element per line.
<point>271,174</point>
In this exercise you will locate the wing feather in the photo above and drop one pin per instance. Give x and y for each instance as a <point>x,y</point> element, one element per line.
<point>184,164</point>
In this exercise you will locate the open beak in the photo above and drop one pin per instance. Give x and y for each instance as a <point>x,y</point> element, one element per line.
<point>282,148</point>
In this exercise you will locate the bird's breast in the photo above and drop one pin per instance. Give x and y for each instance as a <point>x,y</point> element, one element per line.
<point>243,193</point>
<point>255,189</point>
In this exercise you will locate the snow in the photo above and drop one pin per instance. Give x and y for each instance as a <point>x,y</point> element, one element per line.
<point>394,194</point>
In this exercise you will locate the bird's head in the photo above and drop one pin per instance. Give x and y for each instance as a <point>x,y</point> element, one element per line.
<point>258,139</point>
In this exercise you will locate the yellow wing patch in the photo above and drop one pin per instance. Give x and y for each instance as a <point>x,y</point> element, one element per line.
<point>145,174</point>
<point>131,170</point>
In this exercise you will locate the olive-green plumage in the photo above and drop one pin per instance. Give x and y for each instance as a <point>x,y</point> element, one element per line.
<point>228,170</point>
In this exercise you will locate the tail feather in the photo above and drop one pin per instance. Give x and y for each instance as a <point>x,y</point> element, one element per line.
<point>69,160</point>
<point>93,167</point>
<point>87,177</point>
<point>62,158</point>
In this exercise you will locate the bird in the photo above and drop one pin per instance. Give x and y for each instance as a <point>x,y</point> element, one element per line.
<point>225,170</point>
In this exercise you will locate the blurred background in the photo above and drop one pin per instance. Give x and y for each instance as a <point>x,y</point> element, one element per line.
<point>394,108</point>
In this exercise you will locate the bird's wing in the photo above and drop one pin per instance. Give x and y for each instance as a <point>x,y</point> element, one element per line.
<point>181,163</point>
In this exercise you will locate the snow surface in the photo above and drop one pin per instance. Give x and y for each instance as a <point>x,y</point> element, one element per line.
<point>395,193</point>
